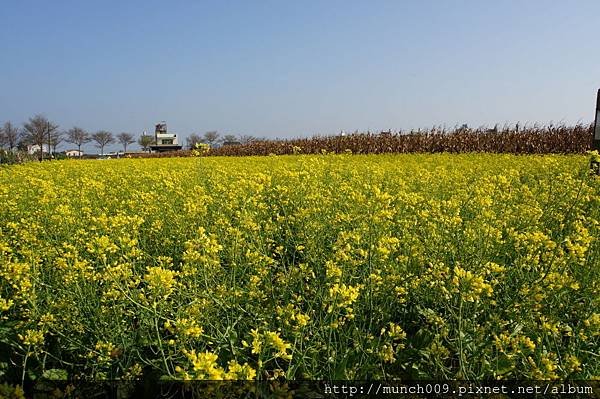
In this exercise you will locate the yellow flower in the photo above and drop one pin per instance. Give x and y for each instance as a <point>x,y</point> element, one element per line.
<point>235,371</point>
<point>572,363</point>
<point>32,337</point>
<point>470,286</point>
<point>160,281</point>
<point>5,304</point>
<point>187,328</point>
<point>274,340</point>
<point>270,339</point>
<point>256,341</point>
<point>386,353</point>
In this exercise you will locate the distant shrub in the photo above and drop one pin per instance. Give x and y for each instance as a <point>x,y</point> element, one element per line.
<point>14,157</point>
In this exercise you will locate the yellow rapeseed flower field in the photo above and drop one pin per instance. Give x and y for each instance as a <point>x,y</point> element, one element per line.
<point>305,267</point>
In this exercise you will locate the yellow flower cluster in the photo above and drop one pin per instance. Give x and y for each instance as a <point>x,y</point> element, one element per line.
<point>469,266</point>
<point>104,352</point>
<point>394,336</point>
<point>202,251</point>
<point>514,344</point>
<point>184,327</point>
<point>32,337</point>
<point>292,316</point>
<point>5,304</point>
<point>270,340</point>
<point>204,366</point>
<point>341,298</point>
<point>161,282</point>
<point>470,286</point>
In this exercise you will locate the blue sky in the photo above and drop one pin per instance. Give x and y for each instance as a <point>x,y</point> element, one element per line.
<point>297,68</point>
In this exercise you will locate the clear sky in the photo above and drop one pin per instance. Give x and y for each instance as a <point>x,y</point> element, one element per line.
<point>297,68</point>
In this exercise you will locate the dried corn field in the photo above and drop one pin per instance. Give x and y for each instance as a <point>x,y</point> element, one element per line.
<point>533,140</point>
<point>549,139</point>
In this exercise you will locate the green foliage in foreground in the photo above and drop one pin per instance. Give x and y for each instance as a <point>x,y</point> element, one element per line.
<point>406,266</point>
<point>15,157</point>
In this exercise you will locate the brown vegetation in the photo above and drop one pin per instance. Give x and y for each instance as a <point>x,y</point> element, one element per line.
<point>549,139</point>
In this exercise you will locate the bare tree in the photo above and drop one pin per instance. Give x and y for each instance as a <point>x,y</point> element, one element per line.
<point>78,136</point>
<point>55,139</point>
<point>125,139</point>
<point>23,143</point>
<point>102,138</point>
<point>3,139</point>
<point>145,141</point>
<point>247,139</point>
<point>10,135</point>
<point>211,138</point>
<point>192,140</point>
<point>38,130</point>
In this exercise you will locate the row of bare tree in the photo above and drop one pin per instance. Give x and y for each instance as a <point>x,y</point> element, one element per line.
<point>40,132</point>
<point>213,139</point>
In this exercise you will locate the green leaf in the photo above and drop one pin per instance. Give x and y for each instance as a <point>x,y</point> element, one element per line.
<point>55,375</point>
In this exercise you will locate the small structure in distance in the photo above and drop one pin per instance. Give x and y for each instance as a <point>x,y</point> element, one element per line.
<point>35,148</point>
<point>164,141</point>
<point>73,153</point>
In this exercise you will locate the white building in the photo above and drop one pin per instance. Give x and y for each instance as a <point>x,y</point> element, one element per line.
<point>34,149</point>
<point>73,153</point>
<point>164,141</point>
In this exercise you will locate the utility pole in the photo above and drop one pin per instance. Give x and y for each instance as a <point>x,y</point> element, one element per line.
<point>49,140</point>
<point>597,124</point>
<point>595,161</point>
